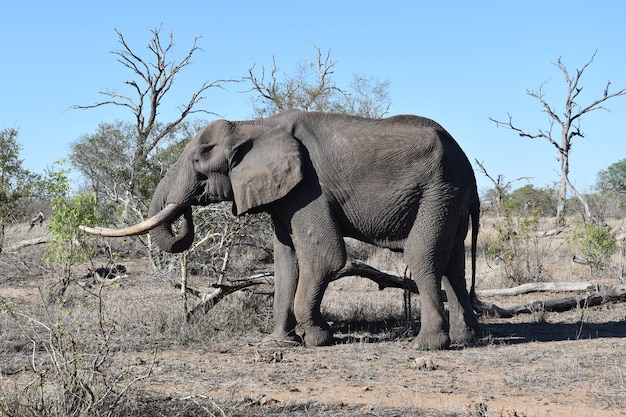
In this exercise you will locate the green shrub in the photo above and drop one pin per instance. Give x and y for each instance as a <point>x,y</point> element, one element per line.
<point>596,244</point>
<point>67,246</point>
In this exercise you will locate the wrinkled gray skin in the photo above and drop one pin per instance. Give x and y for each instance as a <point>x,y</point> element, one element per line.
<point>401,183</point>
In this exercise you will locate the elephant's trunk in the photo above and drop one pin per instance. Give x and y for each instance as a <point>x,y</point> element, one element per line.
<point>172,189</point>
<point>167,240</point>
<point>169,202</point>
<point>159,224</point>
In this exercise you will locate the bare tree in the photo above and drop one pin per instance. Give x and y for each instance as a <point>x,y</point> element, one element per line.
<point>569,123</point>
<point>154,77</point>
<point>501,188</point>
<point>312,88</point>
<point>367,97</point>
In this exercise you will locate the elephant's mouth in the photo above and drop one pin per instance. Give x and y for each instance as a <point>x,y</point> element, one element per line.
<point>167,215</point>
<point>211,190</point>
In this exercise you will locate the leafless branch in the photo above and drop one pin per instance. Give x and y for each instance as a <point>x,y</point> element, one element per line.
<point>499,183</point>
<point>210,299</point>
<point>152,80</point>
<point>384,280</point>
<point>259,85</point>
<point>522,133</point>
<point>569,123</point>
<point>583,201</point>
<point>500,186</point>
<point>324,67</point>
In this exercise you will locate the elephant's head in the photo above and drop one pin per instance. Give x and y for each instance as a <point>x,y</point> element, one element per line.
<point>250,164</point>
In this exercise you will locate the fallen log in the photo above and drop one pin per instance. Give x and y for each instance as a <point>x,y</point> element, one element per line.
<point>28,242</point>
<point>538,287</point>
<point>556,305</point>
<point>383,279</point>
<point>210,299</point>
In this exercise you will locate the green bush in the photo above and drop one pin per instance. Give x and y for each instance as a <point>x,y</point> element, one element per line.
<point>596,244</point>
<point>67,246</point>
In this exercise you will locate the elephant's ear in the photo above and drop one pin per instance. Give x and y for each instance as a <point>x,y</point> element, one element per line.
<point>264,167</point>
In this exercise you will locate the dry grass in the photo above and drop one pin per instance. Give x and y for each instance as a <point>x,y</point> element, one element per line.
<point>549,257</point>
<point>541,364</point>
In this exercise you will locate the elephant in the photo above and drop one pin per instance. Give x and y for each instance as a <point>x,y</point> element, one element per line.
<point>400,182</point>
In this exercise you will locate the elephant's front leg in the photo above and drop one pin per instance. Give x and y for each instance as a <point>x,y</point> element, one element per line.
<point>285,283</point>
<point>321,253</point>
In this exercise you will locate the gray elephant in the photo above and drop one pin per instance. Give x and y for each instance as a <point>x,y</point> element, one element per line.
<point>401,183</point>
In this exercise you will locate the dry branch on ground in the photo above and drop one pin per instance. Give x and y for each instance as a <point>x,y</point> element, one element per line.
<point>384,280</point>
<point>594,294</point>
<point>28,242</point>
<point>538,287</point>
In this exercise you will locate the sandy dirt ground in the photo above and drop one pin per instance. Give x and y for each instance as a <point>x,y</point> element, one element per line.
<point>519,369</point>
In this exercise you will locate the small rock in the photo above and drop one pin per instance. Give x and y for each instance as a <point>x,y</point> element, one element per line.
<point>424,364</point>
<point>277,356</point>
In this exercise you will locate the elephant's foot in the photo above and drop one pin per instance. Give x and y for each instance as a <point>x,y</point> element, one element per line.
<point>463,337</point>
<point>283,338</point>
<point>431,341</point>
<point>463,331</point>
<point>318,336</point>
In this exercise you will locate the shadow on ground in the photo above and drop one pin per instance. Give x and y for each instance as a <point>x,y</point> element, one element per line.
<point>514,333</point>
<point>502,332</point>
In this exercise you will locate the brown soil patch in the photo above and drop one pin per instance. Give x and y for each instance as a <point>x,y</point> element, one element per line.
<point>391,374</point>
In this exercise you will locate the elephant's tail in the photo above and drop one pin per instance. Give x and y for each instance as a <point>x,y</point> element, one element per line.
<point>475,216</point>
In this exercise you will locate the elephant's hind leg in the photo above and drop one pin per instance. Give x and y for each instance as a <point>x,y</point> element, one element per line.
<point>426,253</point>
<point>463,321</point>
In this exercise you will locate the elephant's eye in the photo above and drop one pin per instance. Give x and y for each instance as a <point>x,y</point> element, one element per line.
<point>202,154</point>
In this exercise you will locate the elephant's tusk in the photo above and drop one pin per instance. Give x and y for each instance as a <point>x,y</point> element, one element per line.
<point>169,213</point>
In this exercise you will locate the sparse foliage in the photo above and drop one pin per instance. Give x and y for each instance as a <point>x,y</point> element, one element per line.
<point>543,200</point>
<point>237,248</point>
<point>568,123</point>
<point>16,182</point>
<point>66,246</point>
<point>613,178</point>
<point>596,243</point>
<point>70,372</point>
<point>105,160</point>
<point>517,243</point>
<point>501,188</point>
<point>311,87</point>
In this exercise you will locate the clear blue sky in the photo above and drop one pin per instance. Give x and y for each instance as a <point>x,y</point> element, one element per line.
<point>457,62</point>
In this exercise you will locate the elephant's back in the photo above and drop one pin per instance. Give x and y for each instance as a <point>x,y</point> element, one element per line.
<point>359,156</point>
